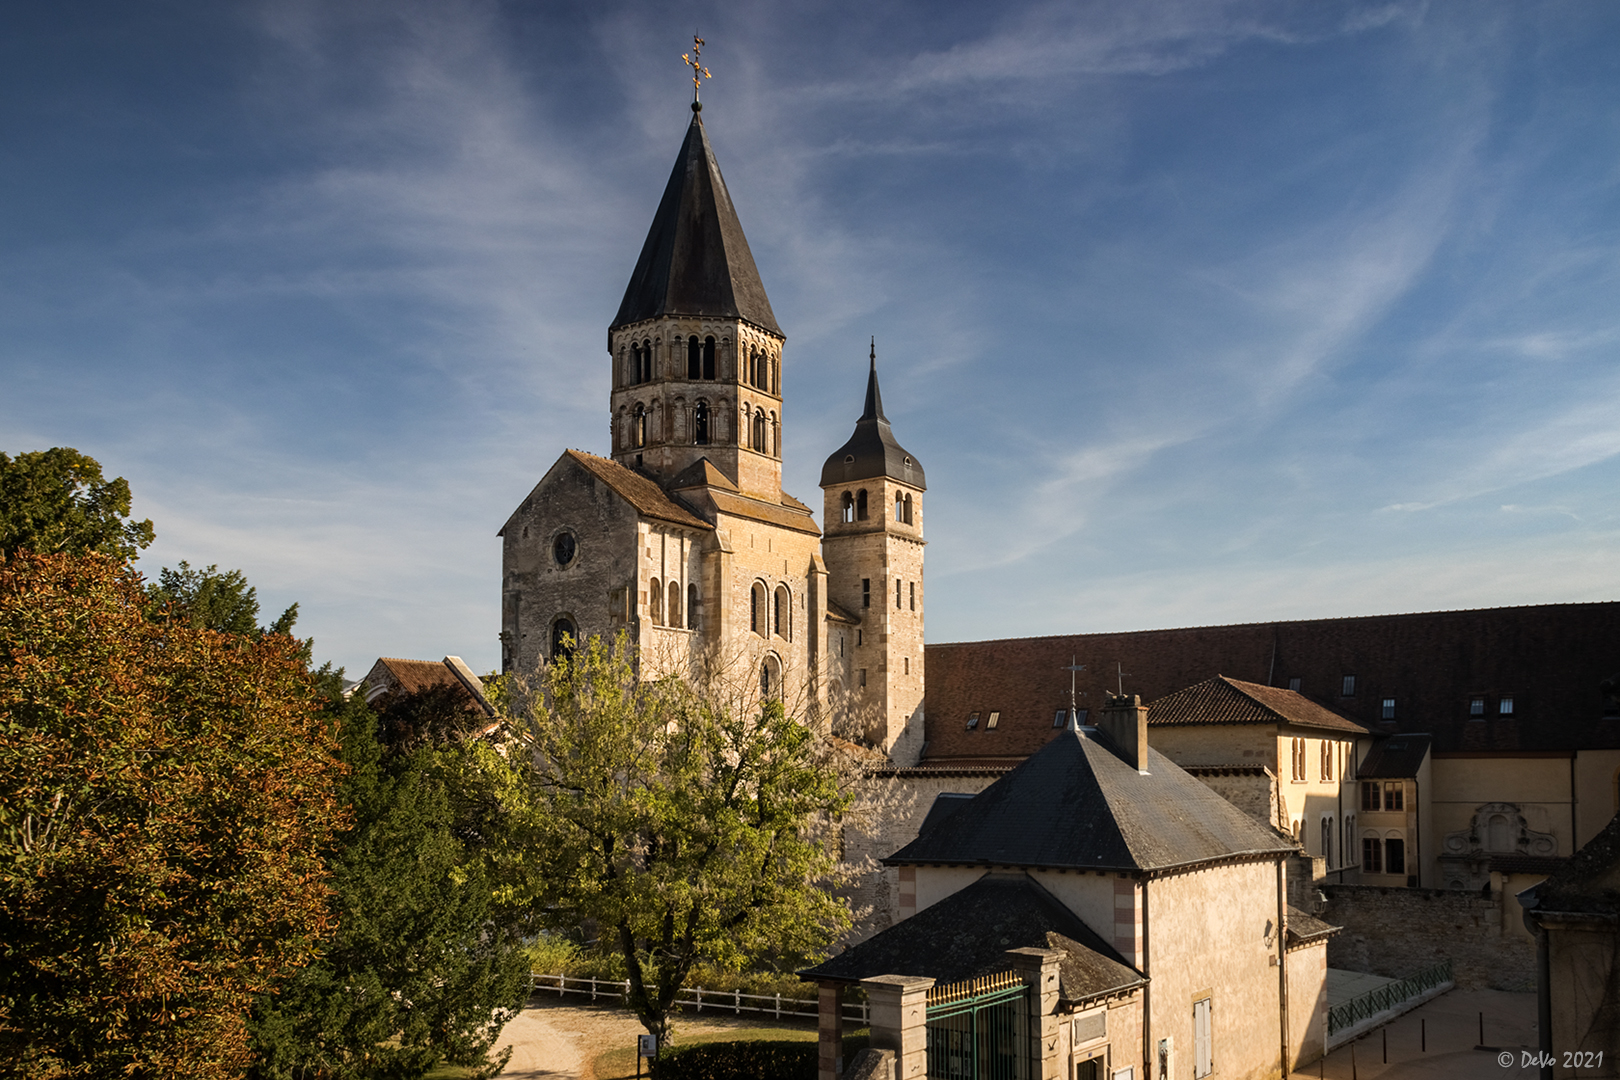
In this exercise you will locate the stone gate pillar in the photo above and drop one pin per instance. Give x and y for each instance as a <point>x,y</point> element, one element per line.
<point>899,1010</point>
<point>1039,968</point>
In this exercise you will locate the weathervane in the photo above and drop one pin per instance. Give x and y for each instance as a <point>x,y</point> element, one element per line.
<point>1074,669</point>
<point>699,72</point>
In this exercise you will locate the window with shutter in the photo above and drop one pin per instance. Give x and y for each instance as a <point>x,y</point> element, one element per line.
<point>1203,1052</point>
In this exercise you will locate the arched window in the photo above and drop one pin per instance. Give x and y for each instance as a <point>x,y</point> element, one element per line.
<point>908,508</point>
<point>635,364</point>
<point>770,677</point>
<point>694,358</point>
<point>644,363</point>
<point>899,507</point>
<point>700,424</point>
<point>849,515</point>
<point>776,377</point>
<point>860,505</point>
<point>776,437</point>
<point>708,358</point>
<point>655,602</point>
<point>675,605</point>
<point>760,433</point>
<point>691,606</point>
<point>782,613</point>
<point>562,638</point>
<point>757,603</point>
<point>1327,840</point>
<point>638,427</point>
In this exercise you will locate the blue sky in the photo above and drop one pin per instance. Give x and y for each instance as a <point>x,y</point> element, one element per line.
<point>1195,312</point>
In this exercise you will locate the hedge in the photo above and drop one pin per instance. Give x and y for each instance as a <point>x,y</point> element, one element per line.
<point>745,1060</point>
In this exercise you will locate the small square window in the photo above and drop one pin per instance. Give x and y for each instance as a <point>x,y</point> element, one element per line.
<point>1060,718</point>
<point>1504,707</point>
<point>1476,707</point>
<point>1388,711</point>
<point>1349,687</point>
<point>973,721</point>
<point>1293,684</point>
<point>991,722</point>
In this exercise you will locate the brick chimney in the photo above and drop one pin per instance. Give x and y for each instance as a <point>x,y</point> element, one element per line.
<point>1124,721</point>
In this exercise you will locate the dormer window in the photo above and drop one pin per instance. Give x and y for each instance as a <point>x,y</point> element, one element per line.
<point>1476,708</point>
<point>992,721</point>
<point>973,721</point>
<point>1504,707</point>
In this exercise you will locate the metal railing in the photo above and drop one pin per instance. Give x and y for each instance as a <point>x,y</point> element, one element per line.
<point>696,998</point>
<point>1348,1013</point>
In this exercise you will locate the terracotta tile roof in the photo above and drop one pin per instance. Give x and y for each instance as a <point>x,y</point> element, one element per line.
<point>1397,757</point>
<point>1231,701</point>
<point>1076,805</point>
<point>639,491</point>
<point>794,504</point>
<point>702,473</point>
<point>967,934</point>
<point>391,676</point>
<point>1552,658</point>
<point>758,510</point>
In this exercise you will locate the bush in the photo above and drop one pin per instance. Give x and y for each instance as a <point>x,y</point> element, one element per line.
<point>747,1060</point>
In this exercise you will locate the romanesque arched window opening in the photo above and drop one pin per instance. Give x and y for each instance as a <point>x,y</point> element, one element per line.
<point>782,613</point>
<point>776,377</point>
<point>655,602</point>
<point>692,606</point>
<point>708,358</point>
<point>908,508</point>
<point>760,433</point>
<point>694,358</point>
<point>675,605</point>
<point>756,608</point>
<point>562,638</point>
<point>775,437</point>
<point>849,516</point>
<point>700,424</point>
<point>770,677</point>
<point>860,505</point>
<point>899,508</point>
<point>638,427</point>
<point>644,363</point>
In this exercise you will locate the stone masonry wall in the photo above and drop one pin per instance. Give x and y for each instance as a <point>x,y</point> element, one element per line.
<point>1395,932</point>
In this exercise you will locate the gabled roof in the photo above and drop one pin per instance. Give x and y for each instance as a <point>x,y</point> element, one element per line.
<point>872,451</point>
<point>1304,928</point>
<point>1075,804</point>
<point>759,510</point>
<point>968,933</point>
<point>1397,757</point>
<point>1232,701</point>
<point>639,491</point>
<point>391,675</point>
<point>695,260</point>
<point>1588,882</point>
<point>702,473</point>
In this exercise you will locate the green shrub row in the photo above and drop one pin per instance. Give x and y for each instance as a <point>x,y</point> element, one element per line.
<point>750,1060</point>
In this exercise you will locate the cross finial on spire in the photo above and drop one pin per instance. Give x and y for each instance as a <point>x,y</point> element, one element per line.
<point>1074,669</point>
<point>699,72</point>
<point>874,350</point>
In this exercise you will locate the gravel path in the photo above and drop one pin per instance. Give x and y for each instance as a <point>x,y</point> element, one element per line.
<point>557,1040</point>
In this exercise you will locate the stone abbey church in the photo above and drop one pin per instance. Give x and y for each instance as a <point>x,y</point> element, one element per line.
<point>684,538</point>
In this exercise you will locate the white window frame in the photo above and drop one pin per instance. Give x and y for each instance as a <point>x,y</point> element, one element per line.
<point>1203,1037</point>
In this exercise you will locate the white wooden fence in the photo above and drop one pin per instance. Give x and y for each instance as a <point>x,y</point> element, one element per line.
<point>696,998</point>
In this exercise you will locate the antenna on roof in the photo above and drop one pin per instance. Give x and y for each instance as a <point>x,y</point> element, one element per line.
<point>1074,668</point>
<point>1121,672</point>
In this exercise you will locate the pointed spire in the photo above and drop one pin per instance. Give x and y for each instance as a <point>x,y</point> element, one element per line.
<point>696,260</point>
<point>874,396</point>
<point>872,451</point>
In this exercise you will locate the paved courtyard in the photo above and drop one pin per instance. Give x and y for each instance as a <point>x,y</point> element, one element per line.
<point>1451,1025</point>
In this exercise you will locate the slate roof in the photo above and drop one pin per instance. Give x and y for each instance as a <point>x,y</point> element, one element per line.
<point>944,805</point>
<point>1553,658</point>
<point>695,260</point>
<point>1589,881</point>
<point>968,933</point>
<point>1395,758</point>
<point>1232,701</point>
<point>872,451</point>
<point>1076,804</point>
<point>1304,928</point>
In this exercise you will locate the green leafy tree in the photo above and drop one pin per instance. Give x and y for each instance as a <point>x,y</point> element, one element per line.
<point>425,967</point>
<point>166,794</point>
<point>688,823</point>
<point>210,600</point>
<point>56,501</point>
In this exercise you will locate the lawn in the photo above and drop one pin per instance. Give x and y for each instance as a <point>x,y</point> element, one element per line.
<point>621,1064</point>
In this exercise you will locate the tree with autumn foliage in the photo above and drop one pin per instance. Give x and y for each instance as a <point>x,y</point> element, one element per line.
<point>166,794</point>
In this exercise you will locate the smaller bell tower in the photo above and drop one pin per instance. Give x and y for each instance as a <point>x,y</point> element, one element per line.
<point>873,548</point>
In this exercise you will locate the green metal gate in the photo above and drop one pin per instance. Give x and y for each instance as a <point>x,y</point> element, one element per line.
<point>979,1030</point>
